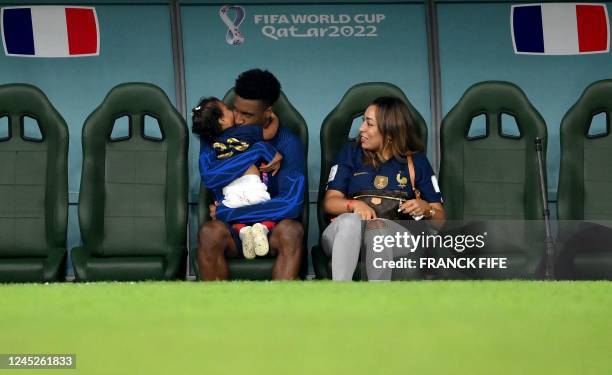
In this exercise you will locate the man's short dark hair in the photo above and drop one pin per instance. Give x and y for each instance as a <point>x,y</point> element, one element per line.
<point>257,84</point>
<point>205,119</point>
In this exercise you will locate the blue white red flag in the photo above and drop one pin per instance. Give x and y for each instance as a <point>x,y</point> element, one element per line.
<point>560,28</point>
<point>50,31</point>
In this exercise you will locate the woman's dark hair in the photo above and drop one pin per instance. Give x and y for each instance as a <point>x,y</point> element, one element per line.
<point>397,129</point>
<point>257,84</point>
<point>205,118</point>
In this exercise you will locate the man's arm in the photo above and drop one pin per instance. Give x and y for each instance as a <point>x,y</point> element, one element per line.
<point>287,205</point>
<point>217,173</point>
<point>288,201</point>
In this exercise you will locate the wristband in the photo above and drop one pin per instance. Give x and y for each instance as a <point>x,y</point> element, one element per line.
<point>349,205</point>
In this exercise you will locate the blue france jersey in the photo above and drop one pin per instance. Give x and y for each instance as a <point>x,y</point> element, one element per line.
<point>350,175</point>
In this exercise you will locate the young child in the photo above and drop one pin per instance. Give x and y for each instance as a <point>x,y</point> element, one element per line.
<point>213,121</point>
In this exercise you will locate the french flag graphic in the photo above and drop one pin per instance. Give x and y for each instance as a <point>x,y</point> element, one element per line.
<point>50,31</point>
<point>560,29</point>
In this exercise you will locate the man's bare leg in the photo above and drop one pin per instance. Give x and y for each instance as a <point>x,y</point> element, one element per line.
<point>286,240</point>
<point>214,241</point>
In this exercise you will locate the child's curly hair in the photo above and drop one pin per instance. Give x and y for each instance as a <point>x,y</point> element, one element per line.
<point>205,118</point>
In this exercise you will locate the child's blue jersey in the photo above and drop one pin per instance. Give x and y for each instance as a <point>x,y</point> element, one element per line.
<point>237,139</point>
<point>286,188</point>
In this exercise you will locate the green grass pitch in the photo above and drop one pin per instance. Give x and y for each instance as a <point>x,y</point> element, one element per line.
<point>313,327</point>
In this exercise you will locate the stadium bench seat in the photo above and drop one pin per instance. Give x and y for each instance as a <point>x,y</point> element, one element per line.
<point>490,181</point>
<point>260,268</point>
<point>133,196</point>
<point>335,134</point>
<point>33,186</point>
<point>585,180</point>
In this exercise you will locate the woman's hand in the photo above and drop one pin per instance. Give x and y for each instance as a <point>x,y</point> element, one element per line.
<point>415,208</point>
<point>362,209</point>
<point>335,203</point>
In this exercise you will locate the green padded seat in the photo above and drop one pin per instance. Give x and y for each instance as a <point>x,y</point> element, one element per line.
<point>585,182</point>
<point>490,180</point>
<point>33,188</point>
<point>335,134</point>
<point>133,197</point>
<point>261,268</point>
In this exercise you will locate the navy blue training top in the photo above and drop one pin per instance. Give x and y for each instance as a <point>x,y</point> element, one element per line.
<point>350,175</point>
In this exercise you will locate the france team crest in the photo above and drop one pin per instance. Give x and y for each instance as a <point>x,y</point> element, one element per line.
<point>50,31</point>
<point>560,28</point>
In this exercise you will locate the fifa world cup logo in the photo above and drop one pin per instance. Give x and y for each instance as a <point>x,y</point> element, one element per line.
<point>233,35</point>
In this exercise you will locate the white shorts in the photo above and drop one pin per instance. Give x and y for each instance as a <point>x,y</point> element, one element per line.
<point>245,191</point>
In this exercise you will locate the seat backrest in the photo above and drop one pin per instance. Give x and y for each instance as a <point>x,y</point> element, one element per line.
<point>585,176</point>
<point>337,126</point>
<point>133,198</point>
<point>494,175</point>
<point>33,174</point>
<point>289,118</point>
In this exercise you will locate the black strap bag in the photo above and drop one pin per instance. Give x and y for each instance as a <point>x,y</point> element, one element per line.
<point>386,202</point>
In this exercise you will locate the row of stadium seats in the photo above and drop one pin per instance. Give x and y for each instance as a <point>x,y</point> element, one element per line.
<point>490,180</point>
<point>133,192</point>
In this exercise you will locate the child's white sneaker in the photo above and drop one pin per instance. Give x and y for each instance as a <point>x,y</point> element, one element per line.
<point>248,242</point>
<point>260,239</point>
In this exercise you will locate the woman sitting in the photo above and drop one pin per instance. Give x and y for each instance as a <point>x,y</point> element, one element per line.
<point>379,163</point>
